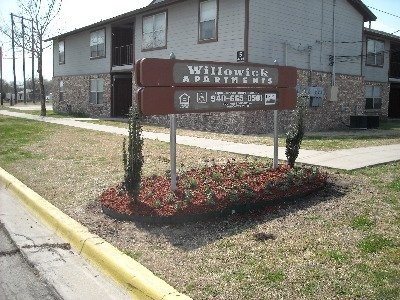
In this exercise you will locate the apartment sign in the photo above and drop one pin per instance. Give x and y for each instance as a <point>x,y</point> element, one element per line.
<point>181,100</point>
<point>186,86</point>
<point>208,74</point>
<point>168,72</point>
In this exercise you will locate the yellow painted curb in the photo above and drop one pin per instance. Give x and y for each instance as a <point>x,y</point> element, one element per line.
<point>140,282</point>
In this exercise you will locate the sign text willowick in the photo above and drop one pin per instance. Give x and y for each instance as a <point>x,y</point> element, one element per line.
<point>225,74</point>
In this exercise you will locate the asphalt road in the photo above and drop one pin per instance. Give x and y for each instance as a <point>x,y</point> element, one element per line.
<point>18,280</point>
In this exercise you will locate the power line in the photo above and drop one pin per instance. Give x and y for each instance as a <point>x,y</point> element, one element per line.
<point>385,12</point>
<point>5,57</point>
<point>343,42</point>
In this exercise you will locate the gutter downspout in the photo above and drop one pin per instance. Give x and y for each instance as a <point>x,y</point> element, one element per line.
<point>334,45</point>
<point>246,30</point>
<point>286,53</point>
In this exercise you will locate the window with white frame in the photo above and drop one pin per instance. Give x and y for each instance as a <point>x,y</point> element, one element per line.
<point>61,52</point>
<point>373,97</point>
<point>208,12</point>
<point>98,43</point>
<point>154,31</point>
<point>96,91</point>
<point>375,53</point>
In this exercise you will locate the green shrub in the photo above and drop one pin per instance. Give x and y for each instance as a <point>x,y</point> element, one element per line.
<point>133,157</point>
<point>294,136</point>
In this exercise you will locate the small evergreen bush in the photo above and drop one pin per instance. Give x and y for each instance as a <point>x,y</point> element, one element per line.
<point>133,156</point>
<point>295,134</point>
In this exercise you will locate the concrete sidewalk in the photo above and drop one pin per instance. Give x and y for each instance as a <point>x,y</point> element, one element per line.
<point>27,106</point>
<point>347,159</point>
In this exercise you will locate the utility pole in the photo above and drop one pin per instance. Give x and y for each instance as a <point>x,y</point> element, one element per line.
<point>1,76</point>
<point>33,65</point>
<point>23,56</point>
<point>13,51</point>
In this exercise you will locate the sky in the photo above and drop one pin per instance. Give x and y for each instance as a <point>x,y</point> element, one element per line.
<point>79,13</point>
<point>385,22</point>
<point>74,14</point>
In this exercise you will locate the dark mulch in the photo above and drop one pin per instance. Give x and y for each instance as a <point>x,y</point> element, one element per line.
<point>211,191</point>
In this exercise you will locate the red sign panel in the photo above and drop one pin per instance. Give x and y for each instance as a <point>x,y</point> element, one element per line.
<point>187,86</point>
<point>167,72</point>
<point>180,100</point>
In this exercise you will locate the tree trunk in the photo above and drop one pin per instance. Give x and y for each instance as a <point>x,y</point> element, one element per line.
<point>42,93</point>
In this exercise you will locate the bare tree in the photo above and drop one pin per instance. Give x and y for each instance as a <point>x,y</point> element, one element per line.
<point>40,13</point>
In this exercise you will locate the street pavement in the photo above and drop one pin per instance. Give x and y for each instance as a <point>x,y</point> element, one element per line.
<point>18,280</point>
<point>35,249</point>
<point>346,159</point>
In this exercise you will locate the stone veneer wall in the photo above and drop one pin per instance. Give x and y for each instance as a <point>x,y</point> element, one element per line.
<point>75,98</point>
<point>330,115</point>
<point>333,114</point>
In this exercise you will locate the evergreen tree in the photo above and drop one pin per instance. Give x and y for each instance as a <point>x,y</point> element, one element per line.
<point>133,156</point>
<point>295,134</point>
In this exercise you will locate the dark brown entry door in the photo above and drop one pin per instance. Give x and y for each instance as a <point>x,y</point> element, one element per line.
<point>394,101</point>
<point>122,94</point>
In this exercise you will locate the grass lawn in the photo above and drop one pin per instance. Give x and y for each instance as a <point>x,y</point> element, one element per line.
<point>341,243</point>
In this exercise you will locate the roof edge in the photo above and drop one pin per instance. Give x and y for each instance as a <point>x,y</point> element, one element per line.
<point>357,4</point>
<point>363,10</point>
<point>117,18</point>
<point>383,34</point>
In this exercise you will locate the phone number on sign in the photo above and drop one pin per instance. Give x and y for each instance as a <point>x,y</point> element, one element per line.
<point>234,97</point>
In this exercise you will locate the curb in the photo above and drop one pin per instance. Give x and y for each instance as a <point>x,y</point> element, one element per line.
<point>140,282</point>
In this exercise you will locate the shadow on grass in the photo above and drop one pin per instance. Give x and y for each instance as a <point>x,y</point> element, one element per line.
<point>193,235</point>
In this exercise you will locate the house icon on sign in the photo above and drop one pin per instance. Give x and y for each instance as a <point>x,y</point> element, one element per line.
<point>184,100</point>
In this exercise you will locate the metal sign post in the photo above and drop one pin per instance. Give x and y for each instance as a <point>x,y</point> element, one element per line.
<point>172,150</point>
<point>172,143</point>
<point>275,162</point>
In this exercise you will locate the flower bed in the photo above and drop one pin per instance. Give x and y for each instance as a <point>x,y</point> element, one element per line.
<point>211,191</point>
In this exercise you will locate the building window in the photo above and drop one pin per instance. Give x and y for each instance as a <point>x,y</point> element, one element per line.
<point>61,91</point>
<point>61,52</point>
<point>375,53</point>
<point>208,15</point>
<point>96,91</point>
<point>373,97</point>
<point>98,44</point>
<point>154,33</point>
